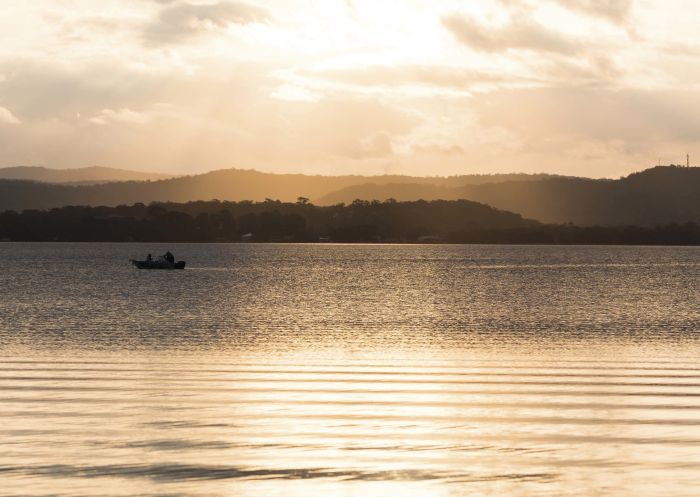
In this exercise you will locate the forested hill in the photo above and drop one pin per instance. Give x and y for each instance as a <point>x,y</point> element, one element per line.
<point>656,196</point>
<point>263,221</point>
<point>227,184</point>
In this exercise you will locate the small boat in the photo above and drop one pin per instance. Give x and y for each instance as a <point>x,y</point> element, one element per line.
<point>163,262</point>
<point>158,264</point>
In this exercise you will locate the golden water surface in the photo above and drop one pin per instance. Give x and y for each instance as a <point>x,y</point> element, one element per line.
<point>286,370</point>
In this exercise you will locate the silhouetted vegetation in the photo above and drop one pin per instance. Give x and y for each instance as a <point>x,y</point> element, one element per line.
<point>457,221</point>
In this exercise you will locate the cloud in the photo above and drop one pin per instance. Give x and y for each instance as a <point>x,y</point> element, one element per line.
<point>690,50</point>
<point>615,11</point>
<point>221,117</point>
<point>124,116</point>
<point>7,117</point>
<point>433,149</point>
<point>637,118</point>
<point>439,77</point>
<point>41,89</point>
<point>180,22</point>
<point>371,147</point>
<point>348,92</point>
<point>354,128</point>
<point>595,70</point>
<point>520,33</point>
<point>554,58</point>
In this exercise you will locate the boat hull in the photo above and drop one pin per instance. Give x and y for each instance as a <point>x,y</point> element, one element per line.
<point>158,264</point>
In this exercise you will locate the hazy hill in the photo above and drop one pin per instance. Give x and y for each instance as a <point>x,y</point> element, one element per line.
<point>656,196</point>
<point>227,184</point>
<point>79,175</point>
<point>401,192</point>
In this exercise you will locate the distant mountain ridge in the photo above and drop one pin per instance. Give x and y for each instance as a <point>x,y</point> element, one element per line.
<point>82,175</point>
<point>657,196</point>
<point>225,184</point>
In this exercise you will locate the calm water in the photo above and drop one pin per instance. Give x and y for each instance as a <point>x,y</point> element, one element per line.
<point>331,370</point>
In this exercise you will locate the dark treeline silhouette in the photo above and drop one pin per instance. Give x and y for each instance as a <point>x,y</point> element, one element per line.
<point>208,221</point>
<point>457,221</point>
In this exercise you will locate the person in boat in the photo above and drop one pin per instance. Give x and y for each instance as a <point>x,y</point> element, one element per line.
<point>169,257</point>
<point>149,258</point>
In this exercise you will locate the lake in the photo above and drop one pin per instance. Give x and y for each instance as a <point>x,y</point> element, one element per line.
<point>349,370</point>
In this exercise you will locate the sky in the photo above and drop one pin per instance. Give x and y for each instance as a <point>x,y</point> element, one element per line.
<point>596,88</point>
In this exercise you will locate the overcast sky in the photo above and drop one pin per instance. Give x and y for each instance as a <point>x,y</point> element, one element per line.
<point>584,87</point>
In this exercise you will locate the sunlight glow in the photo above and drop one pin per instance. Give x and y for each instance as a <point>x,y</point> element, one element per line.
<point>453,70</point>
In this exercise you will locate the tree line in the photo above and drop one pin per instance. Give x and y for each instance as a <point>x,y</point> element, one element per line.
<point>457,221</point>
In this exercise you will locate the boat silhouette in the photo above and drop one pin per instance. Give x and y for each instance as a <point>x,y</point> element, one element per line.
<point>166,261</point>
